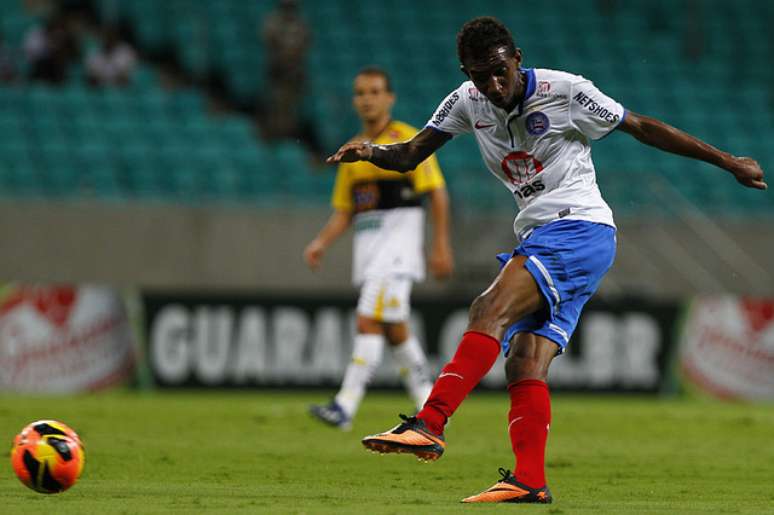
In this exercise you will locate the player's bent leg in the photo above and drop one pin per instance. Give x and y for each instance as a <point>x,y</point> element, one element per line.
<point>512,295</point>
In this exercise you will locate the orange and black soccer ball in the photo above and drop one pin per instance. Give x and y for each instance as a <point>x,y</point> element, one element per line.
<point>47,456</point>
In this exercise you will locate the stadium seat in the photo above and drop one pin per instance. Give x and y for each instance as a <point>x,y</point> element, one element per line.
<point>145,141</point>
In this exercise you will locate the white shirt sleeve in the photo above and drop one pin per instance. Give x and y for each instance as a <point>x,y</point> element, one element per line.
<point>593,113</point>
<point>451,116</point>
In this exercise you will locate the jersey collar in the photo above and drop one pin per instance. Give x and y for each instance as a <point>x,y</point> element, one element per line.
<point>529,89</point>
<point>383,131</point>
<point>531,83</point>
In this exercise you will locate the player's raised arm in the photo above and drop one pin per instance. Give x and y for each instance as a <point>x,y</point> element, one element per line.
<point>658,134</point>
<point>401,157</point>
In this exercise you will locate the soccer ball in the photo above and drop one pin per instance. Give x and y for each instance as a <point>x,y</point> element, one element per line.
<point>47,456</point>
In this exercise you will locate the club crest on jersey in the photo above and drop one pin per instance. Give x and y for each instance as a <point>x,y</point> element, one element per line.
<point>543,88</point>
<point>365,196</point>
<point>537,123</point>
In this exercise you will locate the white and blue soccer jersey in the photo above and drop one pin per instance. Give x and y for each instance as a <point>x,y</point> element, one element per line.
<point>540,151</point>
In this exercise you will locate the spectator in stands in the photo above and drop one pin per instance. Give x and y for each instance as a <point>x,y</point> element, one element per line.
<point>7,62</point>
<point>287,38</point>
<point>50,50</point>
<point>281,114</point>
<point>113,63</point>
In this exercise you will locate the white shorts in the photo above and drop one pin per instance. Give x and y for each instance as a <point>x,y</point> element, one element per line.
<point>385,300</point>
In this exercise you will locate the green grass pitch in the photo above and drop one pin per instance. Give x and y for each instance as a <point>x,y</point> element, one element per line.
<point>259,452</point>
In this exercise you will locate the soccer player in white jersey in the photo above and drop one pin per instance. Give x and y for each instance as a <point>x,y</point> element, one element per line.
<point>385,208</point>
<point>534,128</point>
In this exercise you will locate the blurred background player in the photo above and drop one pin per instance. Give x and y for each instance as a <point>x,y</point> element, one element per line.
<point>386,208</point>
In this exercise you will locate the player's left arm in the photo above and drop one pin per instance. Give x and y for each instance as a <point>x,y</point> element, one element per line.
<point>658,134</point>
<point>441,258</point>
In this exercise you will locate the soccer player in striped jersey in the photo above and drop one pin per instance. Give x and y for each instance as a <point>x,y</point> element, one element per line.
<point>385,208</point>
<point>534,129</point>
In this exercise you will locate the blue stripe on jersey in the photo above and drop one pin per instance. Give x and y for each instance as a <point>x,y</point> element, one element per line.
<point>531,82</point>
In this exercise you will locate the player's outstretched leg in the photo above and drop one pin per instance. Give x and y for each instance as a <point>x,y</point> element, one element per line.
<point>423,435</point>
<point>410,436</point>
<point>512,295</point>
<point>508,489</point>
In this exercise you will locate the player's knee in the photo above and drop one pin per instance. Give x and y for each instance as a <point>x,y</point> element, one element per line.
<point>367,325</point>
<point>519,368</point>
<point>487,314</point>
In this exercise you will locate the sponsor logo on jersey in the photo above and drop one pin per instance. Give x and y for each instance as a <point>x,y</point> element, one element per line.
<point>543,88</point>
<point>537,123</point>
<point>530,189</point>
<point>364,223</point>
<point>365,196</point>
<point>445,109</point>
<point>475,95</point>
<point>520,167</point>
<point>596,108</point>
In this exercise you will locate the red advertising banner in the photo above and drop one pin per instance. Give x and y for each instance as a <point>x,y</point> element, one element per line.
<point>727,347</point>
<point>61,339</point>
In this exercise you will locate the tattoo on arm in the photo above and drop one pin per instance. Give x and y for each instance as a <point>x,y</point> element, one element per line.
<point>396,157</point>
<point>404,157</point>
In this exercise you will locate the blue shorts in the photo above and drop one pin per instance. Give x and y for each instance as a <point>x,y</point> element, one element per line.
<point>568,259</point>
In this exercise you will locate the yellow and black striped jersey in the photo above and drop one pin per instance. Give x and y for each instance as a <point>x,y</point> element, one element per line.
<point>363,186</point>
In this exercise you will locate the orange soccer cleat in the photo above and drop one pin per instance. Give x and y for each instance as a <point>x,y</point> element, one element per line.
<point>410,436</point>
<point>510,490</point>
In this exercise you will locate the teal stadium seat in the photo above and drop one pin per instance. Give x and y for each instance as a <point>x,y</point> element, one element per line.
<point>144,142</point>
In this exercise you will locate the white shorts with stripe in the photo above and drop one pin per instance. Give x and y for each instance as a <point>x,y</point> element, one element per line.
<point>385,299</point>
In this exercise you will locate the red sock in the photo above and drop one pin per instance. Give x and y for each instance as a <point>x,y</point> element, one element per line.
<point>528,422</point>
<point>475,355</point>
